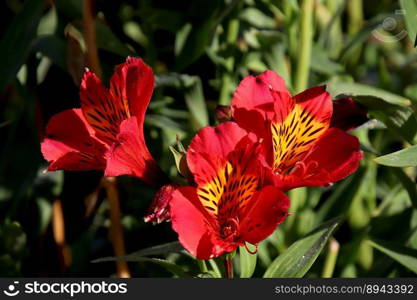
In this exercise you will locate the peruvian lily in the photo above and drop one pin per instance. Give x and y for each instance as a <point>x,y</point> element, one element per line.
<point>302,145</point>
<point>106,133</point>
<point>230,204</point>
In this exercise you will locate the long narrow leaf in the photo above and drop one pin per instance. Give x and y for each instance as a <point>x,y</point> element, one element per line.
<point>300,256</point>
<point>136,256</point>
<point>247,262</point>
<point>15,45</point>
<point>403,255</point>
<point>403,158</point>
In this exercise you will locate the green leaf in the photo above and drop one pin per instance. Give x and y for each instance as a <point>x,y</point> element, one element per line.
<point>139,256</point>
<point>155,250</point>
<point>247,261</point>
<point>216,269</point>
<point>193,94</point>
<point>360,37</point>
<point>410,16</point>
<point>404,255</point>
<point>54,48</point>
<point>341,197</point>
<point>167,265</point>
<point>400,120</point>
<point>408,184</point>
<point>108,41</point>
<point>15,45</point>
<point>321,63</point>
<point>403,158</point>
<point>194,98</point>
<point>300,256</point>
<point>201,33</point>
<point>180,159</point>
<point>164,123</point>
<point>336,88</point>
<point>181,37</point>
<point>13,239</point>
<point>257,18</point>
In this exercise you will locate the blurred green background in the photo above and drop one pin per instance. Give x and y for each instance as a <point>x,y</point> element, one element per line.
<point>199,51</point>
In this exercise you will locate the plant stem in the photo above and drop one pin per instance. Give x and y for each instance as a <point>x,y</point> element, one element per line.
<point>116,229</point>
<point>58,228</point>
<point>228,266</point>
<point>202,265</point>
<point>226,81</point>
<point>355,18</point>
<point>331,258</point>
<point>355,14</point>
<point>89,27</point>
<point>306,39</point>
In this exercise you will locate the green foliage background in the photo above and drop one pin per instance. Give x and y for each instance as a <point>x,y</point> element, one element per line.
<point>200,50</point>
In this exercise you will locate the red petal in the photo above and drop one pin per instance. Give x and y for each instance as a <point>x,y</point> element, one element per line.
<point>252,121</point>
<point>192,223</point>
<point>101,110</point>
<point>335,156</point>
<point>134,81</point>
<point>209,149</point>
<point>255,92</point>
<point>68,151</point>
<point>266,210</point>
<point>253,101</point>
<point>130,91</point>
<point>317,102</point>
<point>130,156</point>
<point>336,152</point>
<point>296,129</point>
<point>347,114</point>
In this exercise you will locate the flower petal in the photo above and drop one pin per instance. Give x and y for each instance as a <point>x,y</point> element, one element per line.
<point>103,112</point>
<point>130,156</point>
<point>316,102</point>
<point>335,156</point>
<point>255,92</point>
<point>209,149</point>
<point>193,224</point>
<point>296,131</point>
<point>133,82</point>
<point>265,211</point>
<point>336,152</point>
<point>347,114</point>
<point>130,91</point>
<point>253,101</point>
<point>69,151</point>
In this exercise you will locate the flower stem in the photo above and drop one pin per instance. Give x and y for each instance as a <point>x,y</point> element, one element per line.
<point>202,265</point>
<point>58,228</point>
<point>355,16</point>
<point>331,258</point>
<point>226,80</point>
<point>228,266</point>
<point>89,27</point>
<point>355,19</point>
<point>116,229</point>
<point>306,39</point>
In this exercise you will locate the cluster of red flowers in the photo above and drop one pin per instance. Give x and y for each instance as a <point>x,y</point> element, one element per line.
<point>271,142</point>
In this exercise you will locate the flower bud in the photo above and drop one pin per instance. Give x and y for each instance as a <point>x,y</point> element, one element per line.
<point>159,209</point>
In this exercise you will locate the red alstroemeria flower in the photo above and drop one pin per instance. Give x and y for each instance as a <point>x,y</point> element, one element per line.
<point>230,205</point>
<point>106,133</point>
<point>300,147</point>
